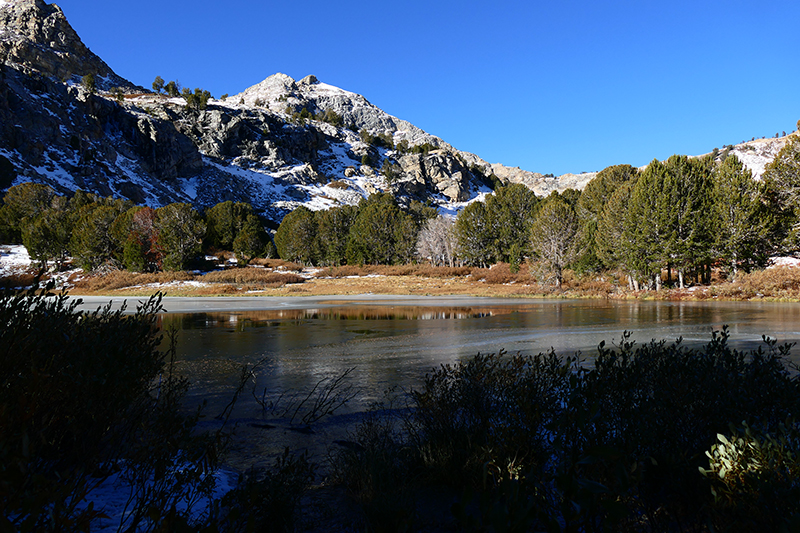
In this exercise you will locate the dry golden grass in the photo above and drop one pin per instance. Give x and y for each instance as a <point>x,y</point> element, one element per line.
<point>338,184</point>
<point>251,276</point>
<point>120,279</point>
<point>277,264</point>
<point>217,289</point>
<point>782,283</point>
<point>501,274</point>
<point>590,285</point>
<point>16,280</point>
<point>345,271</point>
<point>422,270</point>
<point>421,279</point>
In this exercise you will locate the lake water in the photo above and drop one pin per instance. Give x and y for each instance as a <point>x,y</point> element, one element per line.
<point>391,342</point>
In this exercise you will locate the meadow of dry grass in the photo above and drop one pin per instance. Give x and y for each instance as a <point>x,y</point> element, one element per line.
<point>274,277</point>
<point>781,283</point>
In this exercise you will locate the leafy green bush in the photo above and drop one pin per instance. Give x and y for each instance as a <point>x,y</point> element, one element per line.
<point>197,100</point>
<point>379,140</point>
<point>755,478</point>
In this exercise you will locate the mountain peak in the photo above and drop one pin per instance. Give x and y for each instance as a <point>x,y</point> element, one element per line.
<point>35,37</point>
<point>309,80</point>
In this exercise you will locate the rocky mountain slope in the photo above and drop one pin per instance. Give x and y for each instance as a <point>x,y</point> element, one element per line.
<point>268,145</point>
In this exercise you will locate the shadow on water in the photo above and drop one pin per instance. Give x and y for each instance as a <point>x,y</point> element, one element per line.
<point>386,347</point>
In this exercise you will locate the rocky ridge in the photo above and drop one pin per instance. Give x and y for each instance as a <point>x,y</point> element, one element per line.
<point>36,39</point>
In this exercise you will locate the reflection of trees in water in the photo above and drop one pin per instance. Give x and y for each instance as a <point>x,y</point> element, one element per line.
<point>236,319</point>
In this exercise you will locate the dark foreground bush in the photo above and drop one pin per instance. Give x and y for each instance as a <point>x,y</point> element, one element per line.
<point>634,442</point>
<point>264,500</point>
<point>83,395</point>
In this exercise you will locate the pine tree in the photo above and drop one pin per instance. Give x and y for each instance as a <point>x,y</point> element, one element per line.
<point>743,222</point>
<point>609,240</point>
<point>474,235</point>
<point>782,190</point>
<point>251,241</point>
<point>173,88</point>
<point>296,238</point>
<point>686,211</point>
<point>197,100</point>
<point>645,230</point>
<point>511,210</point>
<point>89,83</point>
<point>158,85</point>
<point>47,236</point>
<point>91,243</point>
<point>381,232</point>
<point>133,254</point>
<point>24,202</point>
<point>180,234</point>
<point>333,230</point>
<point>598,191</point>
<point>224,221</point>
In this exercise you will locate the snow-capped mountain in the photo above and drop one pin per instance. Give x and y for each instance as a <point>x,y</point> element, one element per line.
<point>279,144</point>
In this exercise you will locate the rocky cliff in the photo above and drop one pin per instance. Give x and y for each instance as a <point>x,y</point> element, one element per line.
<point>36,39</point>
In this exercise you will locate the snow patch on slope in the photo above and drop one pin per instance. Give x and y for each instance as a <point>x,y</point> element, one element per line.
<point>756,155</point>
<point>13,258</point>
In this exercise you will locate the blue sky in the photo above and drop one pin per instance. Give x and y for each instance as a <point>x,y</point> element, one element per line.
<point>552,87</point>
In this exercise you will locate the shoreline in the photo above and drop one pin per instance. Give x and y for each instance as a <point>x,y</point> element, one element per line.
<point>244,303</point>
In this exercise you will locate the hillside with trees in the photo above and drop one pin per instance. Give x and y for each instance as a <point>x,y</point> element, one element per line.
<point>674,223</point>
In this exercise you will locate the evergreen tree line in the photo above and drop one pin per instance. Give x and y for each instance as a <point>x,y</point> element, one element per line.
<point>376,231</point>
<point>98,231</point>
<point>680,217</point>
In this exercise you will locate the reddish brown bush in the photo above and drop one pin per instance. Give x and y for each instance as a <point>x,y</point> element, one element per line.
<point>17,280</point>
<point>120,279</point>
<point>500,274</point>
<point>252,276</point>
<point>777,283</point>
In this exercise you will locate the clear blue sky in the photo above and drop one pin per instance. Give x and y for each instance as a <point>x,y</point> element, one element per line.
<point>558,86</point>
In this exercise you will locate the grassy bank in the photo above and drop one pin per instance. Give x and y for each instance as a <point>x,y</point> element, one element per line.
<point>277,278</point>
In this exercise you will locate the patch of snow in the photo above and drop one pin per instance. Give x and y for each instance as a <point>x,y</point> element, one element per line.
<point>113,494</point>
<point>172,285</point>
<point>57,174</point>
<point>61,279</point>
<point>756,155</point>
<point>133,171</point>
<point>13,258</point>
<point>190,188</point>
<point>451,209</point>
<point>777,262</point>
